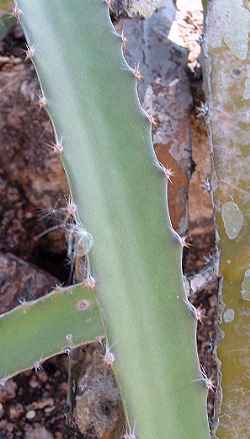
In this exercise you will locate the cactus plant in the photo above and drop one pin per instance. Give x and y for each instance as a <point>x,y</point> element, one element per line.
<point>227,66</point>
<point>120,191</point>
<point>36,330</point>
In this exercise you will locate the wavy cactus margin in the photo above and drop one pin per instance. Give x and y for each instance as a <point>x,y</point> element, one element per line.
<point>120,192</point>
<point>37,330</point>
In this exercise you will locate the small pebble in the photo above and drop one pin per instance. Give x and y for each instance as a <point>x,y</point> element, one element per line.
<point>16,411</point>
<point>30,414</point>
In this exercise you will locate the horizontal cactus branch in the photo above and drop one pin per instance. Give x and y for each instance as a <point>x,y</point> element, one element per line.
<point>120,193</point>
<point>36,330</point>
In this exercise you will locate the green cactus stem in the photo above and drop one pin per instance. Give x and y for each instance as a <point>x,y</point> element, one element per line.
<point>120,191</point>
<point>36,330</point>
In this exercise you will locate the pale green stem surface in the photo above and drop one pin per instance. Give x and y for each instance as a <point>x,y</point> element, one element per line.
<point>37,330</point>
<point>121,197</point>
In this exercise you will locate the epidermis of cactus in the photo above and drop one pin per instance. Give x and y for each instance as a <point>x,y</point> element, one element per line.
<point>229,94</point>
<point>121,196</point>
<point>55,323</point>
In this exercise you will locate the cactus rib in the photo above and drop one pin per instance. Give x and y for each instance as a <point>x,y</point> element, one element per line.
<point>120,192</point>
<point>38,329</point>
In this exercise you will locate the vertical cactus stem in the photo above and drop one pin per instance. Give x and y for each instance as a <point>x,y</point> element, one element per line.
<point>107,137</point>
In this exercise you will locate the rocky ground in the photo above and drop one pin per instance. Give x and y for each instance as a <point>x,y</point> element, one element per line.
<point>32,180</point>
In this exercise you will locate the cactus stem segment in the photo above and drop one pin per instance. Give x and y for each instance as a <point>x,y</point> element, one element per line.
<point>114,207</point>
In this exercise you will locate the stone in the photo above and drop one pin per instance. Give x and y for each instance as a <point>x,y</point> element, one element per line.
<point>98,405</point>
<point>32,178</point>
<point>21,281</point>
